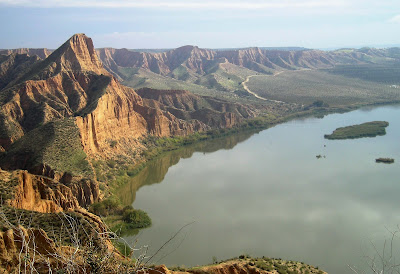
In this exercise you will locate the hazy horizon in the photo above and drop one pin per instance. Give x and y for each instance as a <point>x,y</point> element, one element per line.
<point>156,49</point>
<point>215,24</point>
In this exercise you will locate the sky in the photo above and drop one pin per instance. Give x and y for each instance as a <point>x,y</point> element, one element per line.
<point>135,24</point>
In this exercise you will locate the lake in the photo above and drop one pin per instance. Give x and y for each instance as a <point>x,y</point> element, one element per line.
<point>266,194</point>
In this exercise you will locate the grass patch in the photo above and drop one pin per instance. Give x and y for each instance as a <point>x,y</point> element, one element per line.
<point>56,144</point>
<point>369,129</point>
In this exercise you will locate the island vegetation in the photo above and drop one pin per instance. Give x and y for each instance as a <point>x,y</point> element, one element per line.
<point>369,129</point>
<point>385,160</point>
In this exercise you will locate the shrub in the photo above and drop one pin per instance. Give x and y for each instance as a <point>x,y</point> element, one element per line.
<point>136,218</point>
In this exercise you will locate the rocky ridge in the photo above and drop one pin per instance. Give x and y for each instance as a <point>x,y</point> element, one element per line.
<point>203,61</point>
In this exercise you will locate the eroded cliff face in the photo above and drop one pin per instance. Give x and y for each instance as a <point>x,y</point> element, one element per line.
<point>17,241</point>
<point>73,82</point>
<point>121,115</point>
<point>213,112</point>
<point>64,84</point>
<point>43,194</point>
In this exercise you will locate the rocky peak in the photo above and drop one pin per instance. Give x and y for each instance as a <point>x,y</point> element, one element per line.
<point>78,54</point>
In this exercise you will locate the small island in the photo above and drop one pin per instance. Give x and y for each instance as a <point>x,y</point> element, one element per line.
<point>369,129</point>
<point>385,160</point>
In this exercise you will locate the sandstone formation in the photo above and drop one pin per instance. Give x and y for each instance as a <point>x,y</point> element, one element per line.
<point>213,112</point>
<point>43,194</point>
<point>19,240</point>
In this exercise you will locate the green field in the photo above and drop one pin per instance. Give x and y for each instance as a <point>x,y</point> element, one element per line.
<point>307,86</point>
<point>370,129</point>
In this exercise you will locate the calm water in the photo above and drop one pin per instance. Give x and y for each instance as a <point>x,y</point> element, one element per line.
<point>267,194</point>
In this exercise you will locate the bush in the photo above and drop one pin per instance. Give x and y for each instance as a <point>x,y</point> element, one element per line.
<point>106,207</point>
<point>111,163</point>
<point>136,218</point>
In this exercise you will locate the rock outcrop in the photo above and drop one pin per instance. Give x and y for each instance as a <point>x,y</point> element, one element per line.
<point>43,194</point>
<point>213,112</point>
<point>32,250</point>
<point>62,85</point>
<point>20,242</point>
<point>245,266</point>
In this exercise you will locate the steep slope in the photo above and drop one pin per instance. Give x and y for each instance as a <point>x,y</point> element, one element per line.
<point>213,112</point>
<point>14,65</point>
<point>66,82</point>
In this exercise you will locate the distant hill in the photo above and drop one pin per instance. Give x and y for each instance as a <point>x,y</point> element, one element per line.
<point>226,69</point>
<point>209,71</point>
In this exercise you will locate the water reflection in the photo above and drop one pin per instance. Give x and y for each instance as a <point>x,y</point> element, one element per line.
<point>155,170</point>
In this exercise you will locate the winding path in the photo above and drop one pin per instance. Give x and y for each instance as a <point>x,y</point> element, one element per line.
<point>256,95</point>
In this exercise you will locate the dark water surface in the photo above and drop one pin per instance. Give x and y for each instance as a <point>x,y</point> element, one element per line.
<point>267,194</point>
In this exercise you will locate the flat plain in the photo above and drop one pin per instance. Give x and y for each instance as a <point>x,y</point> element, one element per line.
<point>307,86</point>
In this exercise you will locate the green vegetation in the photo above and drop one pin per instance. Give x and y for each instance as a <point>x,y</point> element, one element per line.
<point>370,129</point>
<point>56,144</point>
<point>7,186</point>
<point>121,220</point>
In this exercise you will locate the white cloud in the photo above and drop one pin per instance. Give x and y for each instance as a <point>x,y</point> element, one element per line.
<point>395,19</point>
<point>180,4</point>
